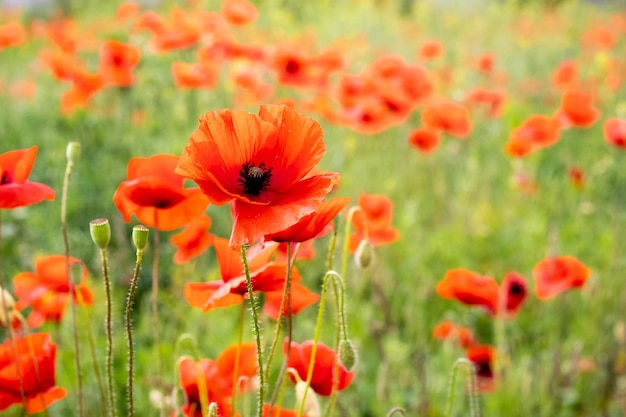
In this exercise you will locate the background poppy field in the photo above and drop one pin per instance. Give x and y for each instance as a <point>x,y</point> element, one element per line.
<point>495,132</point>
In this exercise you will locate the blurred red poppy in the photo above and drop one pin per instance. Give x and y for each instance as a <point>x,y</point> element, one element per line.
<point>27,368</point>
<point>191,76</point>
<point>447,116</point>
<point>424,140</point>
<point>448,330</point>
<point>117,63</point>
<point>491,100</point>
<point>278,412</point>
<point>469,288</point>
<point>536,132</point>
<point>155,195</point>
<point>577,177</point>
<point>84,86</point>
<point>301,298</point>
<point>193,241</point>
<point>558,274</point>
<point>325,360</point>
<point>261,164</point>
<point>47,289</point>
<point>239,12</point>
<point>373,221</point>
<point>430,49</point>
<point>514,289</point>
<point>566,75</point>
<point>483,357</point>
<point>577,109</point>
<point>614,130</point>
<point>485,63</point>
<point>11,35</point>
<point>15,189</point>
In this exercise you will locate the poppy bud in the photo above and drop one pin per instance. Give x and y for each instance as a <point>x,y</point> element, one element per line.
<point>364,254</point>
<point>7,305</point>
<point>72,152</point>
<point>76,272</point>
<point>140,237</point>
<point>311,405</point>
<point>348,355</point>
<point>100,231</point>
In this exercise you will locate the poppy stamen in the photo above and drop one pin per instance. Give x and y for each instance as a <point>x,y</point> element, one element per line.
<point>254,179</point>
<point>6,178</point>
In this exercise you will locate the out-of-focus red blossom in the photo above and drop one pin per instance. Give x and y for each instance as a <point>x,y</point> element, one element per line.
<point>292,66</point>
<point>558,274</point>
<point>430,49</point>
<point>614,130</point>
<point>483,357</point>
<point>64,66</point>
<point>193,241</point>
<point>239,12</point>
<point>117,63</point>
<point>155,195</point>
<point>301,298</point>
<point>218,378</point>
<point>424,140</point>
<point>47,289</point>
<point>470,288</point>
<point>278,412</point>
<point>599,37</point>
<point>373,222</point>
<point>27,369</point>
<point>180,32</point>
<point>251,88</point>
<point>323,368</point>
<point>261,164</point>
<point>447,116</point>
<point>448,330</point>
<point>514,291</point>
<point>536,132</point>
<point>127,10</point>
<point>223,50</point>
<point>491,100</point>
<point>63,34</point>
<point>485,63</point>
<point>194,75</point>
<point>84,86</point>
<point>15,189</point>
<point>150,21</point>
<point>306,251</point>
<point>12,34</point>
<point>577,177</point>
<point>577,109</point>
<point>566,75</point>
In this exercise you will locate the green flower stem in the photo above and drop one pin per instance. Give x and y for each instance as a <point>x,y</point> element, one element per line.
<point>257,332</point>
<point>155,309</point>
<point>92,350</point>
<point>346,239</point>
<point>396,410</point>
<point>202,388</point>
<point>108,326</point>
<point>236,370</point>
<point>129,332</point>
<point>471,378</point>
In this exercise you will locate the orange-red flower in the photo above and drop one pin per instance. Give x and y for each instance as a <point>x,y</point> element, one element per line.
<point>424,140</point>
<point>155,195</point>
<point>373,221</point>
<point>11,35</point>
<point>577,177</point>
<point>470,288</point>
<point>239,12</point>
<point>189,76</point>
<point>577,109</point>
<point>193,241</point>
<point>261,164</point>
<point>447,116</point>
<point>558,274</point>
<point>483,357</point>
<point>614,130</point>
<point>47,290</point>
<point>323,368</point>
<point>430,49</point>
<point>117,63</point>
<point>301,298</point>
<point>514,291</point>
<point>84,86</point>
<point>15,189</point>
<point>536,132</point>
<point>492,101</point>
<point>27,368</point>
<point>448,330</point>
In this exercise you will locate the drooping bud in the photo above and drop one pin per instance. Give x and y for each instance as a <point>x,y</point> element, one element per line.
<point>100,231</point>
<point>364,254</point>
<point>348,355</point>
<point>311,404</point>
<point>72,152</point>
<point>7,307</point>
<point>140,236</point>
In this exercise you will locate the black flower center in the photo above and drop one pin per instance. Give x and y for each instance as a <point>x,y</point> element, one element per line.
<point>254,179</point>
<point>516,289</point>
<point>6,177</point>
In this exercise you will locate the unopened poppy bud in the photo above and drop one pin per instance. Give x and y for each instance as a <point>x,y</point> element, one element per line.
<point>311,404</point>
<point>72,152</point>
<point>364,254</point>
<point>348,355</point>
<point>140,236</point>
<point>7,306</point>
<point>76,272</point>
<point>100,232</point>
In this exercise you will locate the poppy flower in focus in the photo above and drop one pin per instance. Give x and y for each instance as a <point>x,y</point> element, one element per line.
<point>483,356</point>
<point>190,76</point>
<point>155,195</point>
<point>448,330</point>
<point>373,221</point>
<point>424,140</point>
<point>614,130</point>
<point>514,289</point>
<point>577,109</point>
<point>325,359</point>
<point>470,288</point>
<point>447,116</point>
<point>301,298</point>
<point>261,164</point>
<point>536,132</point>
<point>239,12</point>
<point>32,358</point>
<point>47,289</point>
<point>117,63</point>
<point>193,241</point>
<point>15,189</point>
<point>558,274</point>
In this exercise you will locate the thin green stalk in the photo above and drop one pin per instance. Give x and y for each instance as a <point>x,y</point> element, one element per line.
<point>129,332</point>
<point>155,310</point>
<point>236,370</point>
<point>257,332</point>
<point>346,239</point>
<point>92,350</point>
<point>396,410</point>
<point>340,333</point>
<point>473,395</point>
<point>108,326</point>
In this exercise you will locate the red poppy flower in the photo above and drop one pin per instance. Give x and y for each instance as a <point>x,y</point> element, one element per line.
<point>239,12</point>
<point>577,109</point>
<point>536,132</point>
<point>35,355</point>
<point>156,195</point>
<point>424,140</point>
<point>314,225</point>
<point>301,298</point>
<point>448,330</point>
<point>11,35</point>
<point>218,378</point>
<point>117,63</point>
<point>323,368</point>
<point>430,49</point>
<point>15,189</point>
<point>447,116</point>
<point>261,164</point>
<point>485,63</point>
<point>469,288</point>
<point>565,75</point>
<point>483,357</point>
<point>191,76</point>
<point>126,11</point>
<point>278,412</point>
<point>492,101</point>
<point>292,66</point>
<point>84,86</point>
<point>614,130</point>
<point>577,177</point>
<point>47,289</point>
<point>373,221</point>
<point>181,32</point>
<point>555,275</point>
<point>64,66</point>
<point>193,241</point>
<point>514,289</point>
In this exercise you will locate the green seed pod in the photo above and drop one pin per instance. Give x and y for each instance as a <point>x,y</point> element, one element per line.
<point>100,231</point>
<point>72,152</point>
<point>140,236</point>
<point>347,354</point>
